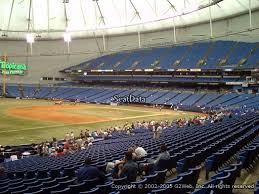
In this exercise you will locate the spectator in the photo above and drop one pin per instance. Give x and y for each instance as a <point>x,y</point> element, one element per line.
<point>87,133</point>
<point>140,152</point>
<point>52,151</point>
<point>164,155</point>
<point>129,169</point>
<point>45,149</point>
<point>72,136</point>
<point>66,146</point>
<point>60,152</point>
<point>3,174</point>
<point>67,137</point>
<point>82,134</point>
<point>54,142</point>
<point>90,172</point>
<point>94,134</point>
<point>159,130</point>
<point>155,164</point>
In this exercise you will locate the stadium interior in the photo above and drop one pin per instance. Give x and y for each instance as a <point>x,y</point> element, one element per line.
<point>129,96</point>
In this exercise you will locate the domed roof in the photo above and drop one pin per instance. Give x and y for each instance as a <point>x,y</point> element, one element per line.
<point>49,19</point>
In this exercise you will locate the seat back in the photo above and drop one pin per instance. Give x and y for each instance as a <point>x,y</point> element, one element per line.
<point>92,191</point>
<point>161,174</point>
<point>75,189</point>
<point>91,183</point>
<point>70,172</point>
<point>64,191</point>
<point>105,188</point>
<point>163,165</point>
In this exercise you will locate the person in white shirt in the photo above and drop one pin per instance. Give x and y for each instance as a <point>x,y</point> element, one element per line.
<point>139,151</point>
<point>159,131</point>
<point>72,136</point>
<point>67,137</point>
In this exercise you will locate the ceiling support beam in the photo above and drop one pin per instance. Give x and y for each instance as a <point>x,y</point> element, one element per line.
<point>100,12</point>
<point>152,8</point>
<point>66,29</point>
<point>48,13</point>
<point>250,15</point>
<point>175,40</point>
<point>28,28</point>
<point>139,40</point>
<point>29,19</point>
<point>136,11</point>
<point>155,5</point>
<point>65,15</point>
<point>171,7</point>
<point>104,42</point>
<point>211,26</point>
<point>85,23</point>
<point>10,16</point>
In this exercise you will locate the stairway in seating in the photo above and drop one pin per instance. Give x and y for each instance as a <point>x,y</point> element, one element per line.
<point>100,65</point>
<point>116,65</point>
<point>159,97</point>
<point>198,99</point>
<point>244,60</point>
<point>185,98</point>
<point>140,59</point>
<point>105,63</point>
<point>215,98</point>
<point>204,59</point>
<point>156,63</point>
<point>177,94</point>
<point>224,61</point>
<point>177,63</point>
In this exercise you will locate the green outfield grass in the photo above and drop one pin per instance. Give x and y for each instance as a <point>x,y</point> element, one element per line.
<point>16,130</point>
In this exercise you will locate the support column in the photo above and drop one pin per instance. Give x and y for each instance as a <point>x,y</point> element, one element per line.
<point>175,40</point>
<point>211,27</point>
<point>4,77</point>
<point>139,40</point>
<point>250,15</point>
<point>104,43</point>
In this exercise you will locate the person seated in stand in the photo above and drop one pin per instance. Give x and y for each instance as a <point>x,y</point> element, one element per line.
<point>87,134</point>
<point>60,152</point>
<point>3,174</point>
<point>140,152</point>
<point>66,147</point>
<point>82,135</point>
<point>129,169</point>
<point>153,164</point>
<point>88,172</point>
<point>72,136</point>
<point>67,137</point>
<point>114,166</point>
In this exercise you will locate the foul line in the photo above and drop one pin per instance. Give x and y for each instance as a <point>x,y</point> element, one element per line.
<point>64,125</point>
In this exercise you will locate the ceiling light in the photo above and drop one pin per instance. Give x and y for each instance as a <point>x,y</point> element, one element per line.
<point>30,38</point>
<point>67,37</point>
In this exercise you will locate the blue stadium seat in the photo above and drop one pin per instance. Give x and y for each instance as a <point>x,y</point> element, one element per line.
<point>64,191</point>
<point>161,175</point>
<point>92,191</point>
<point>105,188</point>
<point>77,188</point>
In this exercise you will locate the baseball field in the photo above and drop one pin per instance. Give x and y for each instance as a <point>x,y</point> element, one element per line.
<point>34,121</point>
